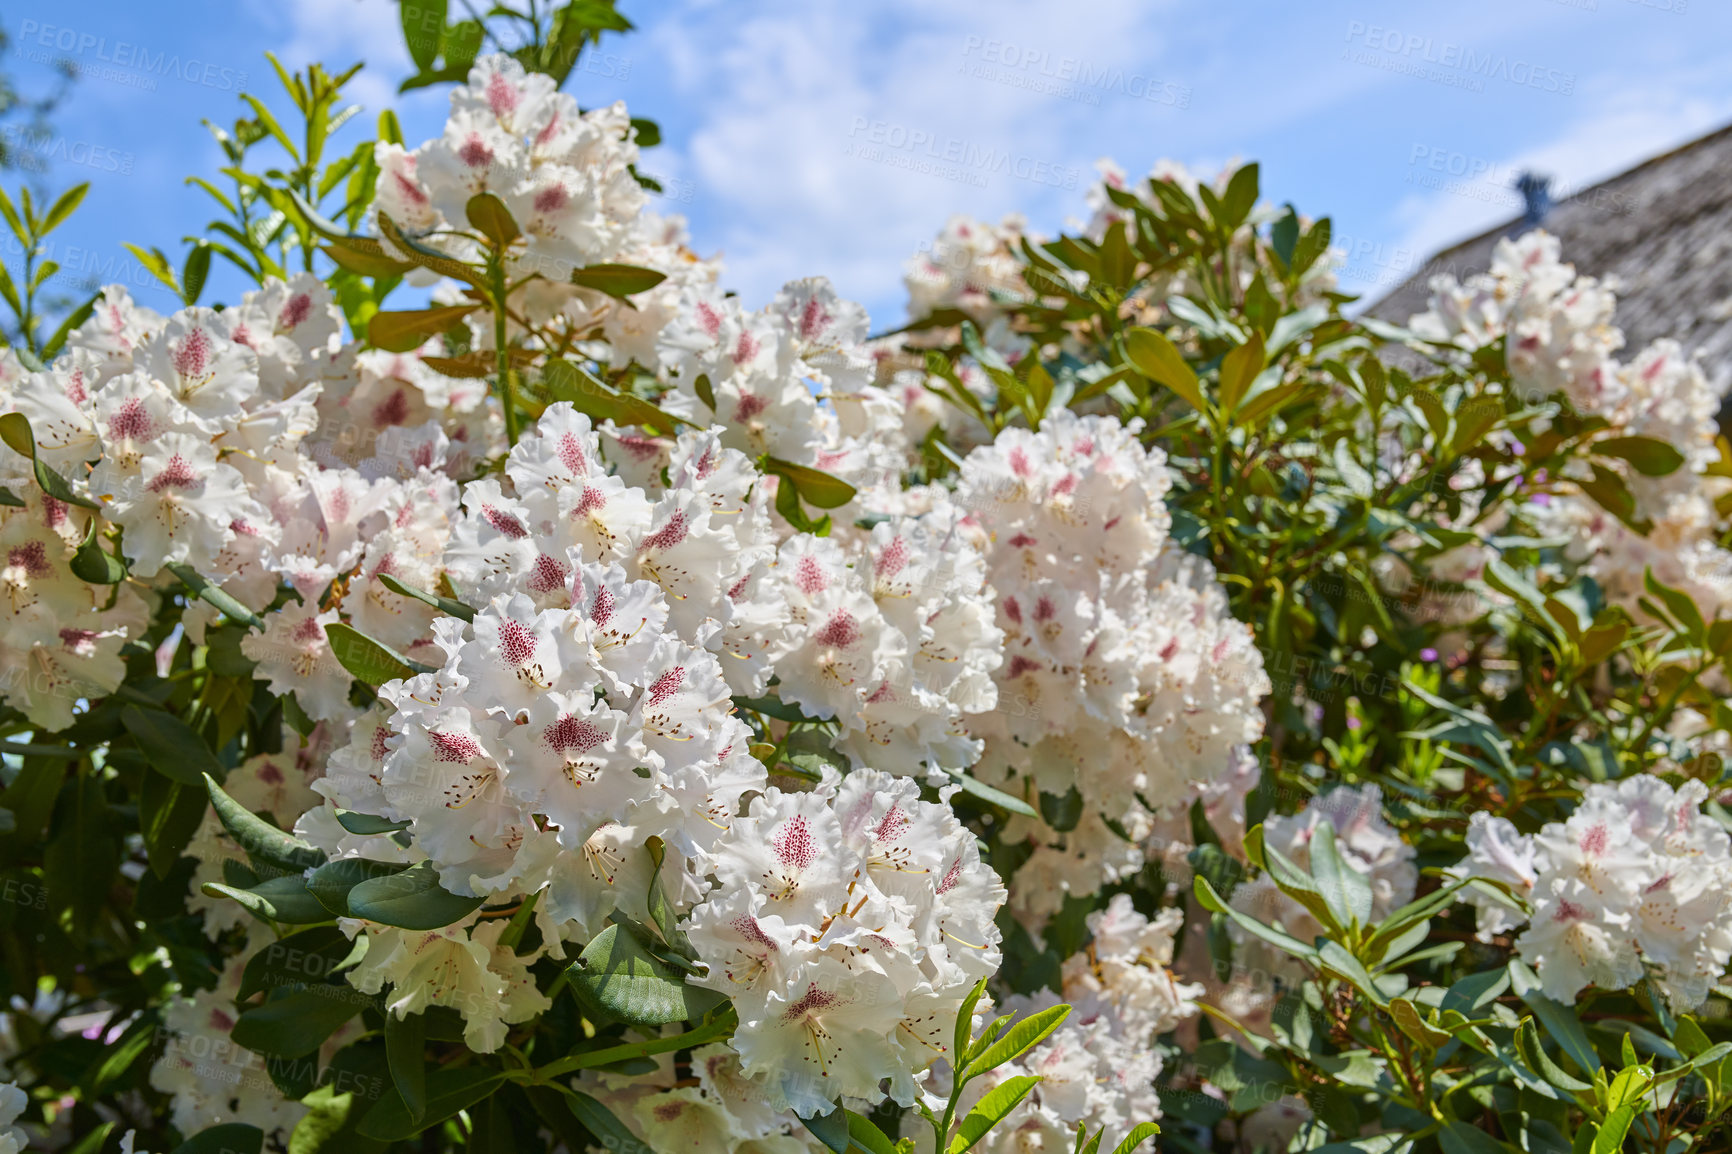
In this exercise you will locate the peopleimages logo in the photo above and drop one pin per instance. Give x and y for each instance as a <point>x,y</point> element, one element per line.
<point>1423,56</point>
<point>122,54</point>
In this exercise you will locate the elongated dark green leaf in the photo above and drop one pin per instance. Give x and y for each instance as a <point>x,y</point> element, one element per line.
<point>297,1023</point>
<point>194,271</point>
<point>171,746</point>
<point>990,1110</point>
<point>331,882</point>
<point>168,815</point>
<point>369,661</point>
<point>448,1091</point>
<point>617,280</point>
<point>229,1138</point>
<point>405,1044</point>
<point>426,257</point>
<point>262,841</point>
<point>1018,1039</point>
<point>283,899</point>
<point>445,605</point>
<point>411,900</point>
<point>304,958</point>
<point>618,974</point>
<point>368,823</point>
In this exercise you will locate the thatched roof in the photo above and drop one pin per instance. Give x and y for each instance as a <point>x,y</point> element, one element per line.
<point>1663,230</point>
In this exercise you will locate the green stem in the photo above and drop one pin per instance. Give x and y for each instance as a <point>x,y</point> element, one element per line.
<point>501,354</point>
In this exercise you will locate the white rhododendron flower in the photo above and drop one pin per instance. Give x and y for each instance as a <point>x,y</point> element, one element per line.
<point>1634,883</point>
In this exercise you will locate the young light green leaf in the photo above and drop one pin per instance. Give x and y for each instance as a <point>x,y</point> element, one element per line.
<point>1017,1040</point>
<point>991,1110</point>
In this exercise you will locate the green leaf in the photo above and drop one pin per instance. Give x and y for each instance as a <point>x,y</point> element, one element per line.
<point>1214,903</point>
<point>171,746</point>
<point>280,899</point>
<point>229,1138</point>
<point>619,975</point>
<point>15,431</point>
<point>1457,1137</point>
<point>567,382</point>
<point>368,823</point>
<point>617,280</point>
<point>224,603</point>
<point>83,855</point>
<point>1240,198</point>
<point>331,882</point>
<point>1017,1040</point>
<point>448,1091</point>
<point>1157,358</point>
<point>1239,368</point>
<point>1678,603</point>
<point>62,208</point>
<point>423,27</point>
<point>1345,888</point>
<point>364,263</point>
<point>368,661</point>
<point>1333,957</point>
<point>156,265</point>
<point>842,1131</point>
<point>816,487</point>
<point>411,900</point>
<point>1139,1134</point>
<point>297,1023</point>
<point>489,216</point>
<point>1413,1024</point>
<point>303,958</point>
<point>991,1110</point>
<point>417,253</point>
<point>262,841</point>
<point>991,796</point>
<point>94,564</point>
<point>405,1046</point>
<point>168,815</point>
<point>195,271</point>
<point>1284,235</point>
<point>1610,1139</point>
<point>1647,455</point>
<point>402,332</point>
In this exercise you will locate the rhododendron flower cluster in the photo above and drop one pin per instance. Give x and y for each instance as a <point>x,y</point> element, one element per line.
<point>1560,339</point>
<point>1633,884</point>
<point>1125,677</point>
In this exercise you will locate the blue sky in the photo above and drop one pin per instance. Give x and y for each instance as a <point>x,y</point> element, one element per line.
<point>835,138</point>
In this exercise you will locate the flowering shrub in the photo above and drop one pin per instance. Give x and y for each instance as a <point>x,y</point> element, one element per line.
<point>582,711</point>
